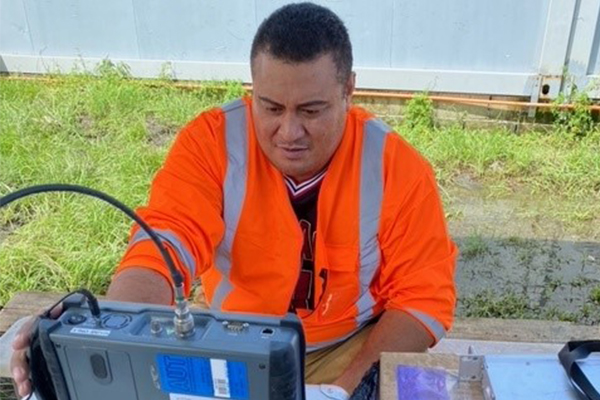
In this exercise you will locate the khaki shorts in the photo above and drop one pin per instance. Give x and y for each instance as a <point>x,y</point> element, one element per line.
<point>326,365</point>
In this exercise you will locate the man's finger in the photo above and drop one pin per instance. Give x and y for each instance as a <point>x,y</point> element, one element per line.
<point>22,338</point>
<point>18,365</point>
<point>56,311</point>
<point>19,374</point>
<point>20,342</point>
<point>24,388</point>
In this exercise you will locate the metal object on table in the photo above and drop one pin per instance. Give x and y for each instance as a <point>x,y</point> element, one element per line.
<point>523,376</point>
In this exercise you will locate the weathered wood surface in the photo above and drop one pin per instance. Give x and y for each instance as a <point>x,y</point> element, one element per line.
<point>23,304</point>
<point>521,330</point>
<point>27,303</point>
<point>486,334</point>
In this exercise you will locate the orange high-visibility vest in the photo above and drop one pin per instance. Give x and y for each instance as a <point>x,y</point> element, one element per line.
<point>381,240</point>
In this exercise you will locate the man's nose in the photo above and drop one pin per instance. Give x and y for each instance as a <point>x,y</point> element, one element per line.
<point>291,127</point>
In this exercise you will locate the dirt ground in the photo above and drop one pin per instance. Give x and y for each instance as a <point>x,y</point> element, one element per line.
<point>518,259</point>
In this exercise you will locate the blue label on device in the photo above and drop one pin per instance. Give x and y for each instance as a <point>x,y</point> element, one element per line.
<point>201,376</point>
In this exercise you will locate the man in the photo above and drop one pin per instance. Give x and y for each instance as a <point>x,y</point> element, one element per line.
<point>294,200</point>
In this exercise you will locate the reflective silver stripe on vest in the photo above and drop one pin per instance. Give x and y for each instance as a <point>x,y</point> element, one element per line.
<point>234,191</point>
<point>371,198</point>
<point>436,329</point>
<point>183,254</point>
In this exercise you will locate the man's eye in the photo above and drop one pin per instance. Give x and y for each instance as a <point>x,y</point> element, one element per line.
<point>309,111</point>
<point>273,110</point>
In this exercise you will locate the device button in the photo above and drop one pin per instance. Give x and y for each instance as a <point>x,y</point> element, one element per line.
<point>116,321</point>
<point>76,319</point>
<point>155,327</point>
<point>99,366</point>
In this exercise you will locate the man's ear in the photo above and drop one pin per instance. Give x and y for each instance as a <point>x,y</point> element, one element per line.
<point>349,89</point>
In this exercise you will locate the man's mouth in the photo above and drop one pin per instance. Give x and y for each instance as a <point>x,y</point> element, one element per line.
<point>293,152</point>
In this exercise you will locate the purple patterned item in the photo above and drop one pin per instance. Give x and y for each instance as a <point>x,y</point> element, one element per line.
<point>418,383</point>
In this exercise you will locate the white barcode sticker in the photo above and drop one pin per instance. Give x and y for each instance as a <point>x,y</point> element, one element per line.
<point>200,378</point>
<point>220,379</point>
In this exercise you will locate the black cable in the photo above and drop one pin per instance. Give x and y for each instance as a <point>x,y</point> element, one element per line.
<point>91,300</point>
<point>9,198</point>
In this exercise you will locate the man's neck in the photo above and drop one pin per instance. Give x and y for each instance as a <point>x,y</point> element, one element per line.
<point>299,182</point>
<point>300,188</point>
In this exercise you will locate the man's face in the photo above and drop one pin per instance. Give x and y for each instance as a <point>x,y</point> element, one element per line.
<point>299,112</point>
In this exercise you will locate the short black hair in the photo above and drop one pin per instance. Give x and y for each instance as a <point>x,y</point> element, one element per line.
<point>302,32</point>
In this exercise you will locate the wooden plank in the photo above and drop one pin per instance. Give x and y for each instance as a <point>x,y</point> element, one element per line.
<point>485,330</point>
<point>23,304</point>
<point>521,330</point>
<point>535,331</point>
<point>32,300</point>
<point>487,347</point>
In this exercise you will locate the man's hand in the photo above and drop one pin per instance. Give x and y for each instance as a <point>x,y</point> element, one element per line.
<point>395,331</point>
<point>141,285</point>
<point>18,361</point>
<point>325,392</point>
<point>19,366</point>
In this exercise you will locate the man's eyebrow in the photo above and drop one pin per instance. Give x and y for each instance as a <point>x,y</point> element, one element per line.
<point>314,103</point>
<point>267,100</point>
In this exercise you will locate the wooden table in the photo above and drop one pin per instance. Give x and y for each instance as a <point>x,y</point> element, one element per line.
<point>535,331</point>
<point>485,334</point>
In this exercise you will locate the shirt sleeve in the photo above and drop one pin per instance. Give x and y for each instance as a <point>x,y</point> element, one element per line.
<point>418,255</point>
<point>185,204</point>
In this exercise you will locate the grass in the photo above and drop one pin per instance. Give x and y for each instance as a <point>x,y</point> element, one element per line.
<point>112,132</point>
<point>474,246</point>
<point>541,162</point>
<point>595,295</point>
<point>560,169</point>
<point>487,304</point>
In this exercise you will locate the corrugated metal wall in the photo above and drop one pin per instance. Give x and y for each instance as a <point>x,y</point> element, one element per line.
<point>503,47</point>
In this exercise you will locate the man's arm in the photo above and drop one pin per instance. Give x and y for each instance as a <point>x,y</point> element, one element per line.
<point>395,331</point>
<point>140,285</point>
<point>184,208</point>
<point>418,260</point>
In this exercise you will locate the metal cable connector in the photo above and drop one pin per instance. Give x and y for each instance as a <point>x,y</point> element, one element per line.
<point>183,319</point>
